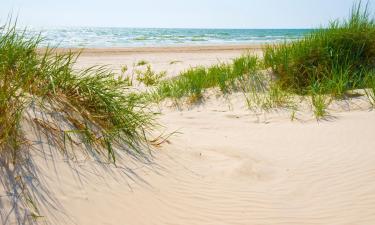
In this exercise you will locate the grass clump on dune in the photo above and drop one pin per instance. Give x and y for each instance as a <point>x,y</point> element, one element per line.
<point>103,108</point>
<point>96,111</point>
<point>149,77</point>
<point>370,90</point>
<point>338,58</point>
<point>193,82</point>
<point>98,105</point>
<point>142,63</point>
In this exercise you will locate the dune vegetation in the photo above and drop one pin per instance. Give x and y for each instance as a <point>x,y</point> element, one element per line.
<point>193,82</point>
<point>326,64</point>
<point>92,109</point>
<point>100,107</point>
<point>330,62</point>
<point>149,77</point>
<point>338,58</point>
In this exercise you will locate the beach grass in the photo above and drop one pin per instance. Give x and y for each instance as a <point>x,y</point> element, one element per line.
<point>174,62</point>
<point>99,107</point>
<point>337,57</point>
<point>327,64</point>
<point>245,74</point>
<point>106,116</point>
<point>370,90</point>
<point>91,112</point>
<point>330,62</point>
<point>193,82</point>
<point>149,77</point>
<point>142,63</point>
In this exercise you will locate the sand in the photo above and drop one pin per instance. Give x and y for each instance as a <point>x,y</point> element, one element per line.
<point>224,165</point>
<point>170,59</point>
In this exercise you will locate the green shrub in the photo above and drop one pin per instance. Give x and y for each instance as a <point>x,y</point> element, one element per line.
<point>142,63</point>
<point>338,56</point>
<point>98,105</point>
<point>150,77</point>
<point>194,81</point>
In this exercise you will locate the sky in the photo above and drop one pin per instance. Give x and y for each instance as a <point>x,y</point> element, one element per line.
<point>177,13</point>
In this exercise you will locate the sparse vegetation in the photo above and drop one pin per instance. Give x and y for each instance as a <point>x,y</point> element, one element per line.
<point>370,90</point>
<point>194,81</point>
<point>128,79</point>
<point>142,63</point>
<point>124,69</point>
<point>150,77</point>
<point>319,100</point>
<point>175,62</point>
<point>327,64</point>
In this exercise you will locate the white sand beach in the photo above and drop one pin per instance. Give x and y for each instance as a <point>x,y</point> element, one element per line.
<point>223,164</point>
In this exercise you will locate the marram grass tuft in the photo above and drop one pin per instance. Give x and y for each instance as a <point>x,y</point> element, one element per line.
<point>338,57</point>
<point>99,107</point>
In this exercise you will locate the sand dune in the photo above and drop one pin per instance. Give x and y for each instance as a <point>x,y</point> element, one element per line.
<point>225,165</point>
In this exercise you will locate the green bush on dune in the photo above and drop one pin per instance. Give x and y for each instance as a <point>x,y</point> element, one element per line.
<point>99,108</point>
<point>329,60</point>
<point>193,82</point>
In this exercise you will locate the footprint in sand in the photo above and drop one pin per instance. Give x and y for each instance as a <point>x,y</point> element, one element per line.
<point>223,164</point>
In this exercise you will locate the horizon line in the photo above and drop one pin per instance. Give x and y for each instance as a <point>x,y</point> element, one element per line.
<point>181,28</point>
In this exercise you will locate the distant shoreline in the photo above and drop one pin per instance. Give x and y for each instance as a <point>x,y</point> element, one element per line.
<point>159,49</point>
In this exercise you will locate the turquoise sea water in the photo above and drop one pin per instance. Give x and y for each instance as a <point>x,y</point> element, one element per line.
<point>138,37</point>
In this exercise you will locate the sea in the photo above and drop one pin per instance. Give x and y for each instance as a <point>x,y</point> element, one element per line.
<point>98,37</point>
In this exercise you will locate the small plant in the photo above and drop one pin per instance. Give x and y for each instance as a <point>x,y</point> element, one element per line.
<point>263,94</point>
<point>150,77</point>
<point>124,69</point>
<point>319,101</point>
<point>142,63</point>
<point>175,62</point>
<point>277,97</point>
<point>370,90</point>
<point>320,105</point>
<point>220,75</point>
<point>254,89</point>
<point>127,79</point>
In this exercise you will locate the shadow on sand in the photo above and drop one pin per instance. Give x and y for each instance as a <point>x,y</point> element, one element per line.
<point>25,194</point>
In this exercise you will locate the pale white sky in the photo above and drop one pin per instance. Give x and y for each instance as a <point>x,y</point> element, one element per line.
<point>178,13</point>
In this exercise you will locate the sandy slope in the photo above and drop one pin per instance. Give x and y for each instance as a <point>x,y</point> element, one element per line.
<point>226,166</point>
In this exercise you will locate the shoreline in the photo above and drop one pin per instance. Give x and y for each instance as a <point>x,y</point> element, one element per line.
<point>161,49</point>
